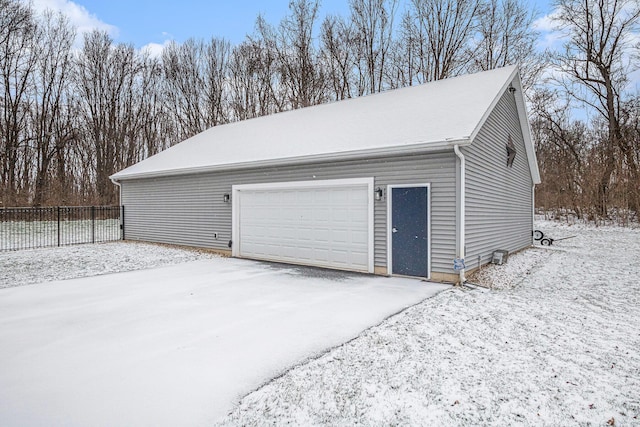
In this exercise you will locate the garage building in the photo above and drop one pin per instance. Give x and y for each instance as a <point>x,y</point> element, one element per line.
<point>402,182</point>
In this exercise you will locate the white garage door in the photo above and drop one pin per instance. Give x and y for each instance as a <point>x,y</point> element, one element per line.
<point>323,223</point>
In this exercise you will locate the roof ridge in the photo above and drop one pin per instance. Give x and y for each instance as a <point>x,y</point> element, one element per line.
<point>430,113</point>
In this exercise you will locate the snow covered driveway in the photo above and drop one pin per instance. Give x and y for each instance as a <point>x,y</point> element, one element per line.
<point>556,343</point>
<point>174,345</point>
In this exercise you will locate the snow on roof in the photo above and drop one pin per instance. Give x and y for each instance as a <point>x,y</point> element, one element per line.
<point>430,116</point>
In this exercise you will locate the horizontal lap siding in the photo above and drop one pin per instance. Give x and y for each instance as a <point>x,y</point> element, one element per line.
<point>189,209</point>
<point>498,198</point>
<point>439,170</point>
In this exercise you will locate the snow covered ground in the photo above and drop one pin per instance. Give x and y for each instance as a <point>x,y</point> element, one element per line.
<point>556,342</point>
<point>173,346</point>
<point>25,267</point>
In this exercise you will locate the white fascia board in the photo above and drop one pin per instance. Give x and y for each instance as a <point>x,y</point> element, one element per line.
<point>526,133</point>
<point>305,184</point>
<point>493,104</point>
<point>347,155</point>
<point>523,118</point>
<point>459,141</point>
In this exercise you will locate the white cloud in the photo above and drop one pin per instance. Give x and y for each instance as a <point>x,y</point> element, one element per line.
<point>155,49</point>
<point>550,35</point>
<point>545,23</point>
<point>83,20</point>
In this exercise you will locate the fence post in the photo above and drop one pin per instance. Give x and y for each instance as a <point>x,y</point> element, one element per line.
<point>58,225</point>
<point>122,221</point>
<point>93,224</point>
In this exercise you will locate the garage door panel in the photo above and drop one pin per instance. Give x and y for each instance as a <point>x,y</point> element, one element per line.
<point>322,235</point>
<point>338,236</point>
<point>322,215</point>
<point>321,254</point>
<point>325,225</point>
<point>360,257</point>
<point>359,237</point>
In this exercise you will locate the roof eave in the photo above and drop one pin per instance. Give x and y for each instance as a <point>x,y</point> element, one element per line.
<point>423,147</point>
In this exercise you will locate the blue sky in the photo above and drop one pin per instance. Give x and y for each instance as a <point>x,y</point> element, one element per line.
<point>145,22</point>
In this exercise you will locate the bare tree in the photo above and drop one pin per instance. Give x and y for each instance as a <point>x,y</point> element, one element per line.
<point>301,79</point>
<point>411,60</point>
<point>18,56</point>
<point>217,69</point>
<point>51,126</point>
<point>372,23</point>
<point>505,36</point>
<point>629,175</point>
<point>447,26</point>
<point>158,126</point>
<point>183,66</point>
<point>243,98</point>
<point>562,154</point>
<point>195,83</point>
<point>69,120</point>
<point>67,137</point>
<point>253,81</point>
<point>338,56</point>
<point>107,76</point>
<point>594,61</point>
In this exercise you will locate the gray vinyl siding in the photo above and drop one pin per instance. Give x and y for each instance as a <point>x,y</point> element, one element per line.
<point>189,209</point>
<point>498,199</point>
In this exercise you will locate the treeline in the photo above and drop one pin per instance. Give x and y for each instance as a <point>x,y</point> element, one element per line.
<point>70,117</point>
<point>589,165</point>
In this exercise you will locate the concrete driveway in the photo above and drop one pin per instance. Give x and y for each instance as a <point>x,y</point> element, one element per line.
<point>175,345</point>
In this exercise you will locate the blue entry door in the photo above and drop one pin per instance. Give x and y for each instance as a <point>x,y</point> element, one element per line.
<point>410,231</point>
